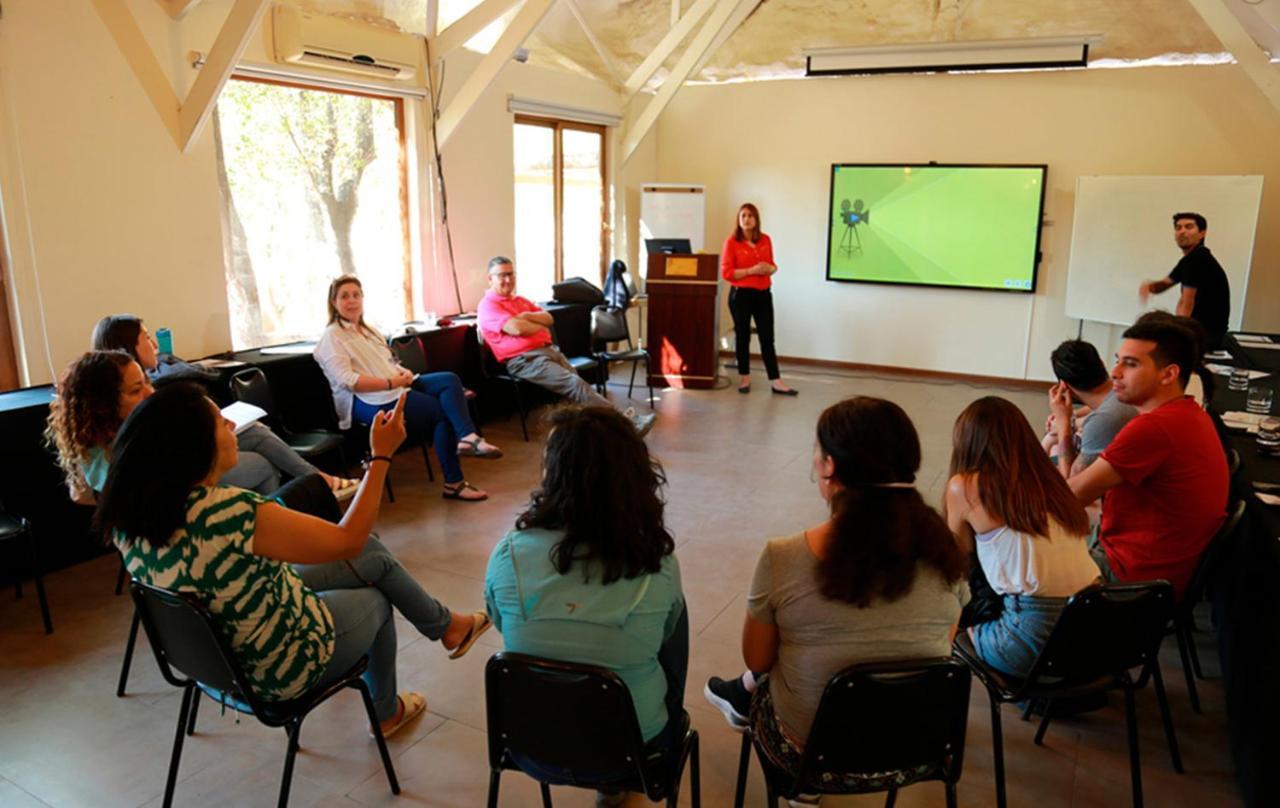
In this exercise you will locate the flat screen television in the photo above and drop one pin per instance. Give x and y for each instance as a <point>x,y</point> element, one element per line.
<point>962,226</point>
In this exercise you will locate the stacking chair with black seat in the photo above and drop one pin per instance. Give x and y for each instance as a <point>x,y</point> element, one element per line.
<point>14,528</point>
<point>409,352</point>
<point>1184,618</point>
<point>251,386</point>
<point>610,325</point>
<point>187,642</point>
<point>577,720</point>
<point>1105,631</point>
<point>880,727</point>
<point>497,371</point>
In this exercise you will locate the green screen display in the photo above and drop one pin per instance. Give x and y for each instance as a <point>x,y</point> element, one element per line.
<point>975,227</point>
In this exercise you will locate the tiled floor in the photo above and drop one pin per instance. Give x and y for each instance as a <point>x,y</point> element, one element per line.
<point>739,473</point>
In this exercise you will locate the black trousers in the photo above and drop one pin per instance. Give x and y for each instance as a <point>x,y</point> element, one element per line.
<point>744,304</point>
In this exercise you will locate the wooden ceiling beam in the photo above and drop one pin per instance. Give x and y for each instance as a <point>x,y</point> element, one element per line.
<point>665,46</point>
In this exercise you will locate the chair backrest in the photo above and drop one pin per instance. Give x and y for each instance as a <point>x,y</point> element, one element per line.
<point>410,353</point>
<point>1104,630</point>
<point>251,386</point>
<point>609,325</point>
<point>890,716</point>
<point>489,363</point>
<point>572,717</point>
<point>185,638</point>
<point>1207,566</point>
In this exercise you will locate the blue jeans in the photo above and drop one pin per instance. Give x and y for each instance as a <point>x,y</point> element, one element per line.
<point>360,594</point>
<point>1012,641</point>
<point>435,411</point>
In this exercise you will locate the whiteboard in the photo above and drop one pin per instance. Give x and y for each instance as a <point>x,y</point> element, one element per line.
<point>1123,235</point>
<point>672,211</point>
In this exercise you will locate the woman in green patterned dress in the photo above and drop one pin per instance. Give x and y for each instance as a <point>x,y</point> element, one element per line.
<point>300,599</point>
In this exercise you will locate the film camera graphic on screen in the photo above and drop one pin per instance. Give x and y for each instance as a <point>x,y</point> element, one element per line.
<point>964,226</point>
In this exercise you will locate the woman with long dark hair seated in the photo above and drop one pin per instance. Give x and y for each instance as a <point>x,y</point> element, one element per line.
<point>291,628</point>
<point>881,579</point>
<point>96,393</point>
<point>264,458</point>
<point>590,575</point>
<point>1007,501</point>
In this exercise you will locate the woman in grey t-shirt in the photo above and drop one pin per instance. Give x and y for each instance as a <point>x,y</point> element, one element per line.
<point>881,579</point>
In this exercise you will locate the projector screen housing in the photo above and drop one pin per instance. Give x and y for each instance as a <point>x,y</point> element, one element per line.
<point>960,226</point>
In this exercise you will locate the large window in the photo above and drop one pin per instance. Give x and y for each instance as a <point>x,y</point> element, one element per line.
<point>313,186</point>
<point>561,206</point>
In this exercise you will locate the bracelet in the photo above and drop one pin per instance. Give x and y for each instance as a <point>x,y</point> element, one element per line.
<point>379,457</point>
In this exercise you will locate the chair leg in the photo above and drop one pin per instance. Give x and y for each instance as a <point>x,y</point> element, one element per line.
<point>128,655</point>
<point>545,791</point>
<point>494,776</point>
<point>191,714</point>
<point>1044,722</point>
<point>1026,711</point>
<point>997,749</point>
<point>891,798</point>
<point>120,576</point>
<point>1135,762</point>
<point>1191,649</point>
<point>1183,640</point>
<point>286,779</point>
<point>648,379</point>
<point>40,596</point>
<point>744,763</point>
<point>631,384</point>
<point>386,485</point>
<point>178,737</point>
<point>524,417</point>
<point>426,458</point>
<point>1157,681</point>
<point>952,802</point>
<point>695,774</point>
<point>387,766</point>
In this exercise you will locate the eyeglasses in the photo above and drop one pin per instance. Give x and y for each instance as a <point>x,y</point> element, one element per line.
<point>503,275</point>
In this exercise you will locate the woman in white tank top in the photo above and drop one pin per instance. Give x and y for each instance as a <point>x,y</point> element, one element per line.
<point>1007,501</point>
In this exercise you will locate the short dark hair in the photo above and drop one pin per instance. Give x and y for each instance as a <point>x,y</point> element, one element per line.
<point>1077,363</point>
<point>602,488</point>
<point>118,332</point>
<point>497,261</point>
<point>1176,343</point>
<point>163,450</point>
<point>1200,221</point>
<point>882,528</point>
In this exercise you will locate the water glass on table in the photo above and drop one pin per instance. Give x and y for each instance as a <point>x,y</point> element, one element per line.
<point>1260,399</point>
<point>1269,436</point>
<point>1238,380</point>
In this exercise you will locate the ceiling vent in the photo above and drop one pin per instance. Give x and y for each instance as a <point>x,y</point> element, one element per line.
<point>334,43</point>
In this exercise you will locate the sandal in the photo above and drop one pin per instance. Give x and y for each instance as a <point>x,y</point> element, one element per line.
<point>411,705</point>
<point>471,448</point>
<point>481,625</point>
<point>458,492</point>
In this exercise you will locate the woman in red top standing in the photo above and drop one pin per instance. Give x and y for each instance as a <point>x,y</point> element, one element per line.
<point>747,263</point>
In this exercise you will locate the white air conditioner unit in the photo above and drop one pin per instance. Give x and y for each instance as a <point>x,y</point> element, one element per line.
<point>332,43</point>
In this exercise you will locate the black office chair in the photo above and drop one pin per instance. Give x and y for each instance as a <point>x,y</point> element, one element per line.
<point>584,365</point>
<point>1184,618</point>
<point>497,371</point>
<point>186,641</point>
<point>577,719</point>
<point>251,386</point>
<point>879,727</point>
<point>14,528</point>
<point>610,325</point>
<point>1105,631</point>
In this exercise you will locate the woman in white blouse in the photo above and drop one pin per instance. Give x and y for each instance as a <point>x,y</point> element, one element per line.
<point>365,380</point>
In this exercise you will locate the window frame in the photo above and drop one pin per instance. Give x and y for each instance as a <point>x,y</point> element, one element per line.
<point>402,162</point>
<point>558,127</point>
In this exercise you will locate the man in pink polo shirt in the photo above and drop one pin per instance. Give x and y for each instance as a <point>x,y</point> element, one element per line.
<point>519,334</point>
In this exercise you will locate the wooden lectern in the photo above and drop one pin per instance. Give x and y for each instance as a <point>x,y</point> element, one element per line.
<point>683,309</point>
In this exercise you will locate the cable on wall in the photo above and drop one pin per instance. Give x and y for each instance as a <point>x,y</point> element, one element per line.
<point>434,94</point>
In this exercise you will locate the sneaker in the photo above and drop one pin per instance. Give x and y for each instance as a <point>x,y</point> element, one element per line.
<point>642,423</point>
<point>730,698</point>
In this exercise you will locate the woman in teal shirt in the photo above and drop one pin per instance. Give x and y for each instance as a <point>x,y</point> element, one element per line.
<point>589,574</point>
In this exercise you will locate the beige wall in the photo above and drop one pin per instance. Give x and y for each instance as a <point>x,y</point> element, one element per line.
<point>773,143</point>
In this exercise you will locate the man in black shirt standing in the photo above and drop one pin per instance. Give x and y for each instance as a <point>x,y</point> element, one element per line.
<point>1206,297</point>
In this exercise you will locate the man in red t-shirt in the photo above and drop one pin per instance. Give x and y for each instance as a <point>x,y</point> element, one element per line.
<point>1164,477</point>
<point>519,334</point>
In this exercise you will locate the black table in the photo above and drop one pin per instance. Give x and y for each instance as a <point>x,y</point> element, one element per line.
<point>1245,600</point>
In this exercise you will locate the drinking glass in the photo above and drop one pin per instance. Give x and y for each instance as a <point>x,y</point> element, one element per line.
<point>1238,380</point>
<point>1260,399</point>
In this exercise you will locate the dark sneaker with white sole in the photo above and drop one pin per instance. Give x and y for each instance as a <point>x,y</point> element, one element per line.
<point>730,698</point>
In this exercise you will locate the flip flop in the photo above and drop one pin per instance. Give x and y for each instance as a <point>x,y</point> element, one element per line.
<point>473,449</point>
<point>456,493</point>
<point>480,626</point>
<point>414,704</point>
